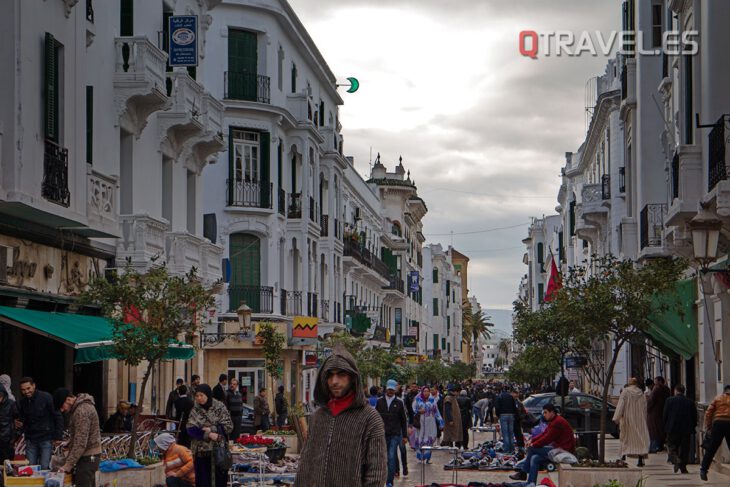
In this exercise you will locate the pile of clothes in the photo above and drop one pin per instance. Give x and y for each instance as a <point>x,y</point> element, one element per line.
<point>251,462</point>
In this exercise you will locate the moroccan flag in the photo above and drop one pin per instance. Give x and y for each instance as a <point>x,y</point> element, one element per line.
<point>554,281</point>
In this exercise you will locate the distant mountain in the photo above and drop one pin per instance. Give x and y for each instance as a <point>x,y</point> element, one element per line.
<point>502,319</point>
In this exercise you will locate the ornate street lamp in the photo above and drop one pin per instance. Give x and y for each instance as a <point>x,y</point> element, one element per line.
<point>705,228</point>
<point>244,318</point>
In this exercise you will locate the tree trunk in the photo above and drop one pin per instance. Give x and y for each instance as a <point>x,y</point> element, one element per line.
<point>604,399</point>
<point>140,403</point>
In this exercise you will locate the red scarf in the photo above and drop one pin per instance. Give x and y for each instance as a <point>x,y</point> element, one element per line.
<point>336,406</point>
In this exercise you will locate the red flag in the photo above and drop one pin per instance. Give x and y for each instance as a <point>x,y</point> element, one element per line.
<point>554,281</point>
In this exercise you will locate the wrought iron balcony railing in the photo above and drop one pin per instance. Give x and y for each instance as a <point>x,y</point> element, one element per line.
<point>291,303</point>
<point>259,298</point>
<point>54,187</point>
<point>716,163</point>
<point>324,225</point>
<point>247,86</point>
<point>312,302</point>
<point>652,225</point>
<point>295,205</point>
<point>248,194</point>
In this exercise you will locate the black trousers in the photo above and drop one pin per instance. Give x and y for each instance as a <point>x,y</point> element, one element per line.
<point>720,431</point>
<point>678,446</point>
<point>85,473</point>
<point>519,437</point>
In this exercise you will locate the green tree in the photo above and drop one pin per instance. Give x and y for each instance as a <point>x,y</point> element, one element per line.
<point>460,371</point>
<point>273,345</point>
<point>148,312</point>
<point>431,372</point>
<point>535,365</point>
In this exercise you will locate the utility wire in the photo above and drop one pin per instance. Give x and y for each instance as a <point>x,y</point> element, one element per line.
<point>487,230</point>
<point>491,195</point>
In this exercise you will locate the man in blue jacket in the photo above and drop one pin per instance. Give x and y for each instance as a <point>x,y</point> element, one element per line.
<point>42,423</point>
<point>393,412</point>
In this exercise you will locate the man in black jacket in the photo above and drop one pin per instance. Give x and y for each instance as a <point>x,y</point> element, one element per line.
<point>393,412</point>
<point>465,405</point>
<point>219,391</point>
<point>171,398</point>
<point>680,421</point>
<point>281,407</point>
<point>42,423</point>
<point>506,410</point>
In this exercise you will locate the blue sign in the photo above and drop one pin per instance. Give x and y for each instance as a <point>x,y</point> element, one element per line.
<point>183,40</point>
<point>413,281</point>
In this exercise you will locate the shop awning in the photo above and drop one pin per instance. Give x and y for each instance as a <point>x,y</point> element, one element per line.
<point>90,336</point>
<point>674,330</point>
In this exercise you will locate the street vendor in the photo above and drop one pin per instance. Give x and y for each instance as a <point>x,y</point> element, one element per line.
<point>179,464</point>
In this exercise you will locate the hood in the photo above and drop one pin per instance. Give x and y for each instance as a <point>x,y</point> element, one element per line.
<point>634,391</point>
<point>5,381</point>
<point>339,360</point>
<point>83,399</point>
<point>3,393</point>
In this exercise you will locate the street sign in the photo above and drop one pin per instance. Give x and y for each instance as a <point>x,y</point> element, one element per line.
<point>183,40</point>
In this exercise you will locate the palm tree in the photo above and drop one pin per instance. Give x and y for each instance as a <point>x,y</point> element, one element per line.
<point>504,349</point>
<point>479,327</point>
<point>466,322</point>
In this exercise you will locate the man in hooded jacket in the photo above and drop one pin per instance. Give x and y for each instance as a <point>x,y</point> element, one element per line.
<point>8,415</point>
<point>346,443</point>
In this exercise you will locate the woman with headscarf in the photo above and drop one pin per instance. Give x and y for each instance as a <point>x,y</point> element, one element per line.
<point>209,423</point>
<point>630,415</point>
<point>426,422</point>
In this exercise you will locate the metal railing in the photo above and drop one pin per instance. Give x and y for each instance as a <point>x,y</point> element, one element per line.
<point>324,224</point>
<point>54,187</point>
<point>291,302</point>
<point>606,187</point>
<point>247,86</point>
<point>282,201</point>
<point>295,205</point>
<point>621,179</point>
<point>716,163</point>
<point>247,194</point>
<point>312,304</point>
<point>652,224</point>
<point>259,298</point>
<point>675,176</point>
<point>396,284</point>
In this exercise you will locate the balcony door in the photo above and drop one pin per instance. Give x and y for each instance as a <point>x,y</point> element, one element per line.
<point>245,258</point>
<point>242,65</point>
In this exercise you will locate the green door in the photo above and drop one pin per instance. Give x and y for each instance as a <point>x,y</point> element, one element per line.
<point>242,65</point>
<point>245,285</point>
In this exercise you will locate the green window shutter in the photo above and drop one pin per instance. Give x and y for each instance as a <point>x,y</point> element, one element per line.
<point>265,170</point>
<point>245,258</point>
<point>435,341</point>
<point>435,275</point>
<point>89,124</point>
<point>230,165</point>
<point>571,217</point>
<point>51,87</point>
<point>279,166</point>
<point>242,65</point>
<point>126,18</point>
<point>435,306</point>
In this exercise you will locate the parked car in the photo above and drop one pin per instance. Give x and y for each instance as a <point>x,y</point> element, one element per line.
<point>576,405</point>
<point>247,426</point>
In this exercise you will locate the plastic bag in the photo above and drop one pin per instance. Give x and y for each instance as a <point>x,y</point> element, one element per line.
<point>558,455</point>
<point>54,479</point>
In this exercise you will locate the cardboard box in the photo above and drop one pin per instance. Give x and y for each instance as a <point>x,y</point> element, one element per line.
<point>29,481</point>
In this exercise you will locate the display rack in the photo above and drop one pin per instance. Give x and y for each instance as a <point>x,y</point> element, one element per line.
<point>452,449</point>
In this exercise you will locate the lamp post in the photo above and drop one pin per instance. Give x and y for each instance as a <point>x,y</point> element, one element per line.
<point>705,228</point>
<point>244,318</point>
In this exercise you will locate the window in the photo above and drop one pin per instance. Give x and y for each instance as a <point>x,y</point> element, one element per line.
<point>192,200</point>
<point>280,73</point>
<point>52,94</point>
<point>656,25</point>
<point>126,18</point>
<point>540,254</point>
<point>540,292</point>
<point>688,102</point>
<point>89,124</point>
<point>293,78</point>
<point>435,341</point>
<point>435,275</point>
<point>321,113</point>
<point>242,74</point>
<point>246,160</point>
<point>435,306</point>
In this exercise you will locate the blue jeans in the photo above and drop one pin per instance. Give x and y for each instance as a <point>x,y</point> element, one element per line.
<point>39,453</point>
<point>536,456</point>
<point>393,443</point>
<point>507,425</point>
<point>478,418</point>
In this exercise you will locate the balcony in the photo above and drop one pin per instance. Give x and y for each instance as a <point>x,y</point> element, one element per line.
<point>185,251</point>
<point>395,284</point>
<point>54,186</point>
<point>324,310</point>
<point>281,203</point>
<point>312,302</point>
<point>181,122</point>
<point>259,298</point>
<point>290,303</point>
<point>652,225</point>
<point>687,187</point>
<point>593,220</point>
<point>143,238</point>
<point>247,194</point>
<point>247,87</point>
<point>198,149</point>
<point>295,205</point>
<point>324,225</point>
<point>606,187</point>
<point>101,204</point>
<point>139,81</point>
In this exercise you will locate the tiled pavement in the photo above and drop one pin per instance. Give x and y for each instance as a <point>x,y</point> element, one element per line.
<point>658,472</point>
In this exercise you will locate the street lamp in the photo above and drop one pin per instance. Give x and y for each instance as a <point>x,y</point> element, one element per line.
<point>705,228</point>
<point>244,318</point>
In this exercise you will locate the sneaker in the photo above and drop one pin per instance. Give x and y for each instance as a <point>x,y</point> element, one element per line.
<point>518,476</point>
<point>405,474</point>
<point>703,475</point>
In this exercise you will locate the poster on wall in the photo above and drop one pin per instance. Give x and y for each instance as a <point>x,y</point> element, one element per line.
<point>413,281</point>
<point>410,342</point>
<point>183,40</point>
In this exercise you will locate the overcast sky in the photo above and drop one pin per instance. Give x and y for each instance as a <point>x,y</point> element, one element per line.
<point>482,129</point>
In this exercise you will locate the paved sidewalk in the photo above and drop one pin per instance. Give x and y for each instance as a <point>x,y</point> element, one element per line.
<point>658,472</point>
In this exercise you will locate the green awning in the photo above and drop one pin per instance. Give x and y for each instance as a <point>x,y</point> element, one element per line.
<point>674,330</point>
<point>90,336</point>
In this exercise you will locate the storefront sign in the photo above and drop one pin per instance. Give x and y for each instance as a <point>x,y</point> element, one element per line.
<point>410,342</point>
<point>310,359</point>
<point>245,381</point>
<point>413,281</point>
<point>183,40</point>
<point>304,327</point>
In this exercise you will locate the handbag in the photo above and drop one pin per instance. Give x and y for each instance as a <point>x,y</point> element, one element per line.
<point>417,421</point>
<point>222,456</point>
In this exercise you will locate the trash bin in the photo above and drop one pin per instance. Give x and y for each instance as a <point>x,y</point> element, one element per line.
<point>588,439</point>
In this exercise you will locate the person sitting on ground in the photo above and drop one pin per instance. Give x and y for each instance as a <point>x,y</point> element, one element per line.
<point>558,434</point>
<point>179,464</point>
